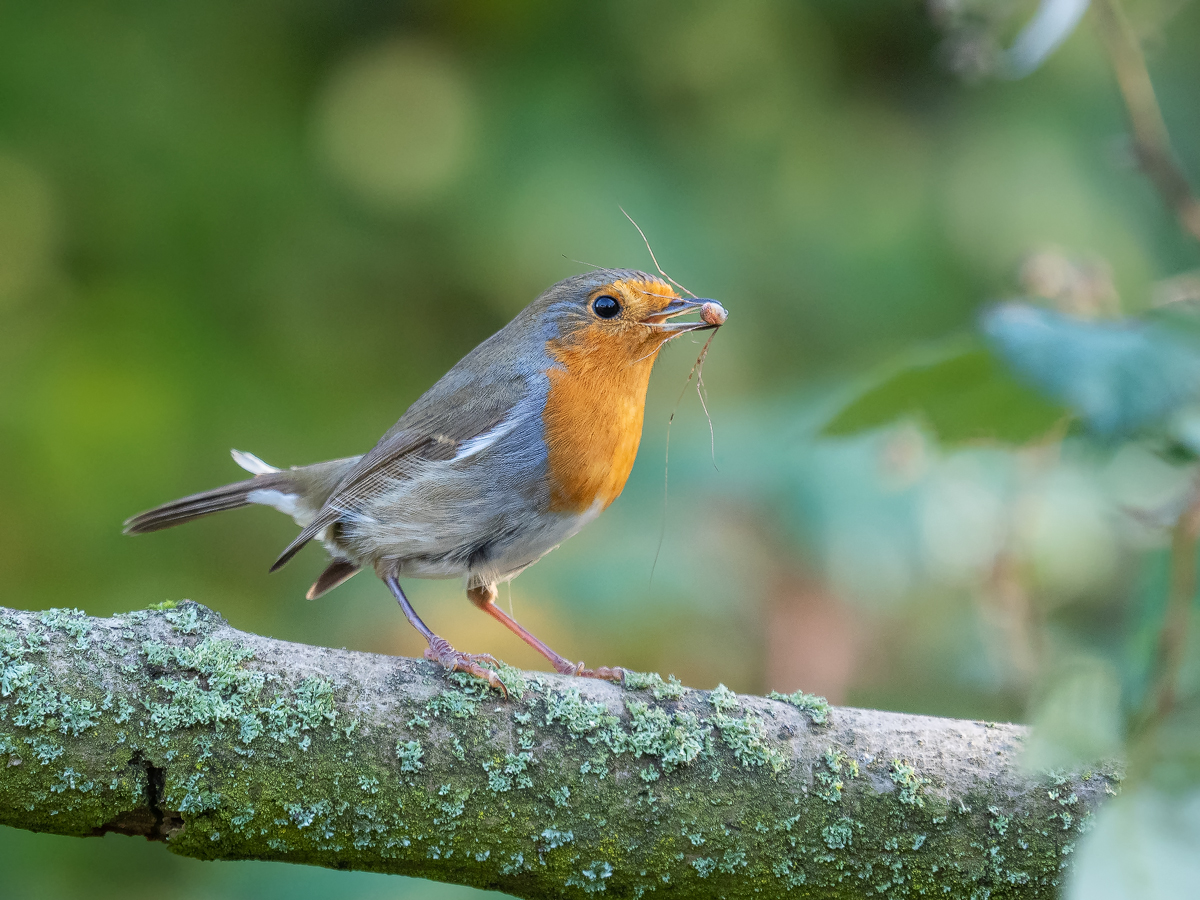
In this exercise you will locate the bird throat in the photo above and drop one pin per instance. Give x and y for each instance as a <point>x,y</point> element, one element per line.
<point>592,421</point>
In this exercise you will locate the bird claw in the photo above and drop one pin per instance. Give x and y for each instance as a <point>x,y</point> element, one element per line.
<point>616,673</point>
<point>605,673</point>
<point>482,657</point>
<point>440,651</point>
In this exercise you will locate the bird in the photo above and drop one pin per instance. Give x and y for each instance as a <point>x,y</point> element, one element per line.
<point>521,444</point>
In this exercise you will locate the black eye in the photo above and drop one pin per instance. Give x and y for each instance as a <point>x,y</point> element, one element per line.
<point>606,307</point>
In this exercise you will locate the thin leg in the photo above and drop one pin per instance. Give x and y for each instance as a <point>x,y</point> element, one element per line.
<point>484,597</point>
<point>439,650</point>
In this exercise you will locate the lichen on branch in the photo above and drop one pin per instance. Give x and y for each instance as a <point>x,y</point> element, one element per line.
<point>170,724</point>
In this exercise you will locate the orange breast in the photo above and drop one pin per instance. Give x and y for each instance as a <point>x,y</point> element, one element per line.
<point>593,423</point>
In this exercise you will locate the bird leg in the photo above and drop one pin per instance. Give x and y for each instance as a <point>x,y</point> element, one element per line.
<point>484,597</point>
<point>439,649</point>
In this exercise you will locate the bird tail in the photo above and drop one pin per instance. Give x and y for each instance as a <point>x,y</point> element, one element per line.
<point>231,496</point>
<point>300,492</point>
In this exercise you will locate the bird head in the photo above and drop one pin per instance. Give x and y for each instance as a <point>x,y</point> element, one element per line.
<point>621,317</point>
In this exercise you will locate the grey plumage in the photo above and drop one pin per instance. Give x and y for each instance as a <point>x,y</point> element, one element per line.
<point>439,495</point>
<point>529,437</point>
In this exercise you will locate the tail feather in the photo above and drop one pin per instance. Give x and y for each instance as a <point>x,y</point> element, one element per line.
<point>231,496</point>
<point>252,463</point>
<point>300,492</point>
<point>337,571</point>
<point>310,531</point>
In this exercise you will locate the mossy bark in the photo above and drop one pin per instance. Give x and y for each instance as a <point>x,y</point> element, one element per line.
<point>170,724</point>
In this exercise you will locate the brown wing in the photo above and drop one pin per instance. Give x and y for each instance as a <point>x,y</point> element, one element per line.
<point>454,410</point>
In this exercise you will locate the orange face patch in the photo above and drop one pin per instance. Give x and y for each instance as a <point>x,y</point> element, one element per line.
<point>593,414</point>
<point>640,298</point>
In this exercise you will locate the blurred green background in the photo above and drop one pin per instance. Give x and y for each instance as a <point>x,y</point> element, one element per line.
<point>272,225</point>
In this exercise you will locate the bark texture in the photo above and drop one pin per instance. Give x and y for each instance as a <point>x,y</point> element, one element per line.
<point>170,724</point>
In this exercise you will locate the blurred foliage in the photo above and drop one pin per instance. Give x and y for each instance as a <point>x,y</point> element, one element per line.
<point>1143,846</point>
<point>1122,377</point>
<point>272,225</point>
<point>959,397</point>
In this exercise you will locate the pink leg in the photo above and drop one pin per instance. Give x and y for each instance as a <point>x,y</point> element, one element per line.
<point>439,649</point>
<point>484,597</point>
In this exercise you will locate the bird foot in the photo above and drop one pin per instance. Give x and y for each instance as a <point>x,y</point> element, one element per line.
<point>440,651</point>
<point>616,673</point>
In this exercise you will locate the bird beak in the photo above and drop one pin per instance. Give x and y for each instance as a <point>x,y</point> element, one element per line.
<point>713,315</point>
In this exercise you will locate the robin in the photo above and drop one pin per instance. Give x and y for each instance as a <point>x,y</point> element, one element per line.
<point>526,440</point>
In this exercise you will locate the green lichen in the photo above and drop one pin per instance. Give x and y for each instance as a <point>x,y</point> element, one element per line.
<point>592,879</point>
<point>410,755</point>
<point>553,838</point>
<point>909,782</point>
<point>526,738</point>
<point>45,751</point>
<point>676,739</point>
<point>722,699</point>
<point>213,687</point>
<point>816,707</point>
<point>747,738</point>
<point>731,861</point>
<point>830,780</point>
<point>999,822</point>
<point>704,866</point>
<point>582,718</point>
<point>185,620</point>
<point>1064,798</point>
<point>73,622</point>
<point>671,689</point>
<point>785,870</point>
<point>313,699</point>
<point>76,716</point>
<point>511,771</point>
<point>839,835</point>
<point>36,703</point>
<point>456,704</point>
<point>587,767</point>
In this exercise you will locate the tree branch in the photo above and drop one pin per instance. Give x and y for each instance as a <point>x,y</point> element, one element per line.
<point>225,745</point>
<point>1151,143</point>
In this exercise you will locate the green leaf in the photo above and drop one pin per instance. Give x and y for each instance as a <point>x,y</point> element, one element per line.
<point>961,394</point>
<point>1122,376</point>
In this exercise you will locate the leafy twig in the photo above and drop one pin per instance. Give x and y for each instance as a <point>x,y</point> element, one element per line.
<point>1151,142</point>
<point>1172,639</point>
